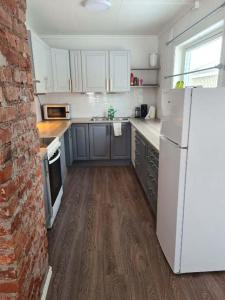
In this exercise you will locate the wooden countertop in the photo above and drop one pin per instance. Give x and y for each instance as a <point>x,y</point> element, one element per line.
<point>149,129</point>
<point>52,128</point>
<point>49,129</point>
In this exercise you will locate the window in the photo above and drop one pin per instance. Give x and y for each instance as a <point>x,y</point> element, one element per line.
<point>201,52</point>
<point>202,56</point>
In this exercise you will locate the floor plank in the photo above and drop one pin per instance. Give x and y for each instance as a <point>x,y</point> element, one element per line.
<point>103,245</point>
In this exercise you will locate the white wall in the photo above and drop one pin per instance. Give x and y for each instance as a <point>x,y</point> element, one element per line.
<point>167,53</point>
<point>98,104</point>
<point>125,103</point>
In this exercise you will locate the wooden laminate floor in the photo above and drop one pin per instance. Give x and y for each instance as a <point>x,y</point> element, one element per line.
<point>103,245</point>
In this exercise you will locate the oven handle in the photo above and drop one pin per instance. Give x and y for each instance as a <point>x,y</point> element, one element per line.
<point>53,160</point>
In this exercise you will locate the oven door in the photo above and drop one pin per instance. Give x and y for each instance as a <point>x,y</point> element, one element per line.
<point>55,177</point>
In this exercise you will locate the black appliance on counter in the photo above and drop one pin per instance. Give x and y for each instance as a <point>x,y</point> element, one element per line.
<point>144,110</point>
<point>137,112</point>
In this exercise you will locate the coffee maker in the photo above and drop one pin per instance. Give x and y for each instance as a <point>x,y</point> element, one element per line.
<point>144,110</point>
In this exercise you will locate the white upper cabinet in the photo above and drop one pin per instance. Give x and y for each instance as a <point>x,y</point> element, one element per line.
<point>119,80</point>
<point>76,72</point>
<point>61,71</point>
<point>42,67</point>
<point>95,68</point>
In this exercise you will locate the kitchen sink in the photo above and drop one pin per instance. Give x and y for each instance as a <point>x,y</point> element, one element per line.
<point>99,119</point>
<point>105,119</point>
<point>119,119</point>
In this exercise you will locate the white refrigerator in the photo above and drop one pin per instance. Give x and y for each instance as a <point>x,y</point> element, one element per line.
<point>191,193</point>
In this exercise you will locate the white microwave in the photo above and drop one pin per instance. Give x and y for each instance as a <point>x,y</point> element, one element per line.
<point>56,111</point>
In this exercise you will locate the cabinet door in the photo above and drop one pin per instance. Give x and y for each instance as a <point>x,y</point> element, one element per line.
<point>42,67</point>
<point>133,145</point>
<point>61,70</point>
<point>140,161</point>
<point>76,75</point>
<point>152,176</point>
<point>80,141</point>
<point>99,141</point>
<point>119,71</point>
<point>63,160</point>
<point>95,71</point>
<point>68,147</point>
<point>121,145</point>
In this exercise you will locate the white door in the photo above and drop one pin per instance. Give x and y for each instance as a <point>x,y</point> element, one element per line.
<point>175,125</point>
<point>61,70</point>
<point>95,71</point>
<point>76,72</point>
<point>119,80</point>
<point>172,163</point>
<point>41,54</point>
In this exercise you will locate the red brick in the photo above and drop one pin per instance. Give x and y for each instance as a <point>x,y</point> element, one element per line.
<point>12,93</point>
<point>13,57</point>
<point>21,15</point>
<point>5,18</point>
<point>23,242</point>
<point>1,94</point>
<point>10,209</point>
<point>24,108</point>
<point>19,28</point>
<point>20,76</point>
<point>5,74</point>
<point>5,135</point>
<point>6,173</point>
<point>10,6</point>
<point>30,78</point>
<point>8,189</point>
<point>8,274</point>
<point>3,38</point>
<point>9,287</point>
<point>5,154</point>
<point>12,40</point>
<point>6,242</point>
<point>8,113</point>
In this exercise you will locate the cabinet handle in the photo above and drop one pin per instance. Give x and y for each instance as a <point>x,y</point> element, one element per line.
<point>70,85</point>
<point>108,130</point>
<point>107,85</point>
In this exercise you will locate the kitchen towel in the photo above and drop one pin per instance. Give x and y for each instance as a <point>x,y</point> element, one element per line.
<point>117,127</point>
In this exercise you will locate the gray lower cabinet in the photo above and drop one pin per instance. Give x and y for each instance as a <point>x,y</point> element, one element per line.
<point>63,159</point>
<point>68,147</point>
<point>80,138</point>
<point>99,135</point>
<point>121,145</point>
<point>146,166</point>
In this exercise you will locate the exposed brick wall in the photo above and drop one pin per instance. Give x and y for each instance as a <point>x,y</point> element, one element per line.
<point>23,242</point>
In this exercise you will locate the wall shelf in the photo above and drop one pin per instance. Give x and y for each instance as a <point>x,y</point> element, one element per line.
<point>145,69</point>
<point>145,86</point>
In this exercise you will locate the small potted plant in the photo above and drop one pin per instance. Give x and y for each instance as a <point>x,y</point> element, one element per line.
<point>111,113</point>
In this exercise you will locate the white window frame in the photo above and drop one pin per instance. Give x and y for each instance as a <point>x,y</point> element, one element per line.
<point>196,41</point>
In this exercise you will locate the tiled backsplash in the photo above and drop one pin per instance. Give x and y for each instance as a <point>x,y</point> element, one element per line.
<point>90,105</point>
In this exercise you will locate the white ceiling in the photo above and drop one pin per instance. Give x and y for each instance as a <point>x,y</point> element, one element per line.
<point>126,17</point>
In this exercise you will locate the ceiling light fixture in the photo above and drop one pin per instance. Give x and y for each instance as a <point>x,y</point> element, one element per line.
<point>98,5</point>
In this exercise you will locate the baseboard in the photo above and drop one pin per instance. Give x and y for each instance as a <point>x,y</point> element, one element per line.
<point>46,283</point>
<point>102,163</point>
